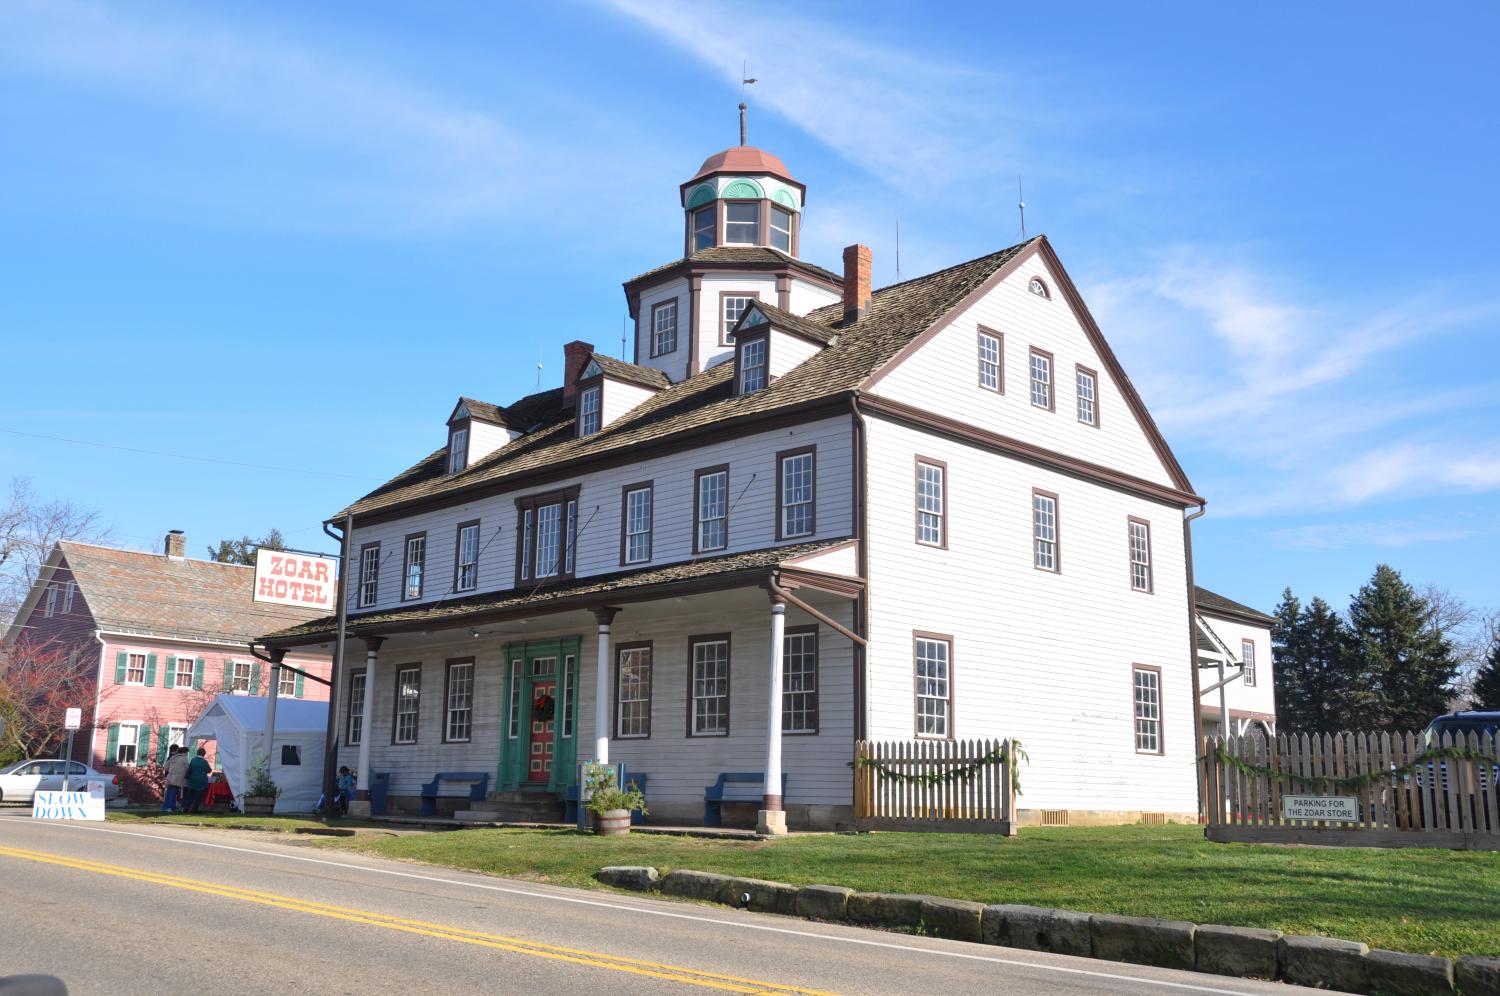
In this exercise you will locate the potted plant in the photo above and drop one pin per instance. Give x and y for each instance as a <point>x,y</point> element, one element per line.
<point>610,804</point>
<point>260,795</point>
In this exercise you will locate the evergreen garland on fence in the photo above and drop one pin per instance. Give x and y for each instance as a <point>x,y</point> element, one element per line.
<point>1006,753</point>
<point>1350,781</point>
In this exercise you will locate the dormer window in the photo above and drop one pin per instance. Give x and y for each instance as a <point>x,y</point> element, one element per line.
<point>781,229</point>
<point>752,365</point>
<point>705,224</point>
<point>588,410</point>
<point>458,450</point>
<point>742,223</point>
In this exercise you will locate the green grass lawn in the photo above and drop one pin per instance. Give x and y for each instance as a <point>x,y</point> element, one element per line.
<point>229,820</point>
<point>1428,901</point>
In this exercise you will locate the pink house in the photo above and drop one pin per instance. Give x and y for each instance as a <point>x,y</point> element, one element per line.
<point>152,639</point>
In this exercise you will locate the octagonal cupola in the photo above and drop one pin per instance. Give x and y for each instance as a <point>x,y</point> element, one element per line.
<point>743,196</point>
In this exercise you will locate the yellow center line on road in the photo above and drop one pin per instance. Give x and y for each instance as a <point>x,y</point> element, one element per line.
<point>517,945</point>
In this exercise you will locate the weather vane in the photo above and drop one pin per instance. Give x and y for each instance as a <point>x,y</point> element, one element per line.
<point>745,80</point>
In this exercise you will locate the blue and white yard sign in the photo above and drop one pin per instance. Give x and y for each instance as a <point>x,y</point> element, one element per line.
<point>69,805</point>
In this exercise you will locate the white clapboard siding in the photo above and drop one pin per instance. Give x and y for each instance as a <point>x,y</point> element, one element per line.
<point>807,296</point>
<point>1045,658</point>
<point>675,363</point>
<point>620,397</point>
<point>788,352</point>
<point>485,439</point>
<point>711,316</point>
<point>752,521</point>
<point>1257,698</point>
<point>943,377</point>
<point>679,766</point>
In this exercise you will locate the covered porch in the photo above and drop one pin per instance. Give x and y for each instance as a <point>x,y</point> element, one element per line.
<point>737,664</point>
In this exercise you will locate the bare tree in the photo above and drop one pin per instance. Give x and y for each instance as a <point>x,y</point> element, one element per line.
<point>29,529</point>
<point>38,682</point>
<point>1467,628</point>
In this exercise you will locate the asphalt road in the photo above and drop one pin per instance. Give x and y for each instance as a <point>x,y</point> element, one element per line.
<point>116,909</point>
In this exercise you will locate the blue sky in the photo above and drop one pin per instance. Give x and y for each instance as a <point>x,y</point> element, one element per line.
<point>290,236</point>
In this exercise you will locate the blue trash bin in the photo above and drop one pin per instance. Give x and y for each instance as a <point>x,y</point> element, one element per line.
<point>380,787</point>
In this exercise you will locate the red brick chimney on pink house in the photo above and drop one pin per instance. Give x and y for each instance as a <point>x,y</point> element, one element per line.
<point>176,545</point>
<point>856,282</point>
<point>575,355</point>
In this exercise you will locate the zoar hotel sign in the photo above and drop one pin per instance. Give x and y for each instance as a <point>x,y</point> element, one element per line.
<point>296,579</point>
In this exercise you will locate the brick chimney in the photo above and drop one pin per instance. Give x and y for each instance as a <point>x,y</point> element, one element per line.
<point>856,282</point>
<point>176,545</point>
<point>575,355</point>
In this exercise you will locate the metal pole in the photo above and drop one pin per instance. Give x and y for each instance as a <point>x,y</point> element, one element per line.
<point>331,736</point>
<point>67,762</point>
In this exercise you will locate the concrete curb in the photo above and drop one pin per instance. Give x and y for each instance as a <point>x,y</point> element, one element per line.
<point>1242,952</point>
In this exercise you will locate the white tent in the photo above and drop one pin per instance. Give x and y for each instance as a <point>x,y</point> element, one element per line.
<point>238,723</point>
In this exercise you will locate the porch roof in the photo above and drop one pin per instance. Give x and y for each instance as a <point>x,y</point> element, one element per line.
<point>704,574</point>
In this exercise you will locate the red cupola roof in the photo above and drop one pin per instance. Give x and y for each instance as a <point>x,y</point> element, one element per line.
<point>746,160</point>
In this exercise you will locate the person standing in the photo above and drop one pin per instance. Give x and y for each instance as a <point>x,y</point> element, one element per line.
<point>197,780</point>
<point>177,772</point>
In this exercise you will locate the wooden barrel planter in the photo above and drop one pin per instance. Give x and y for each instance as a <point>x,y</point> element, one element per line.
<point>259,805</point>
<point>612,823</point>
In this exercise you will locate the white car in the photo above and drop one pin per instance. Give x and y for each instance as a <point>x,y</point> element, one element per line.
<point>22,780</point>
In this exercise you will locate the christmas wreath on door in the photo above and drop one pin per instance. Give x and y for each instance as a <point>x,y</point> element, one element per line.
<point>543,708</point>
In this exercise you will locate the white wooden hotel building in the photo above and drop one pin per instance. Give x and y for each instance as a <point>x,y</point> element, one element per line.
<point>808,513</point>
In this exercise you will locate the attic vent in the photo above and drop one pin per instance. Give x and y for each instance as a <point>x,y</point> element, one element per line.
<point>1038,288</point>
<point>1054,817</point>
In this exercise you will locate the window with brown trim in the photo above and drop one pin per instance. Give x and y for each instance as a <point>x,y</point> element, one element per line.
<point>354,715</point>
<point>369,574</point>
<point>742,223</point>
<point>711,509</point>
<point>633,691</point>
<point>1247,656</point>
<point>1140,554</point>
<point>458,450</point>
<point>991,360</point>
<point>415,566</point>
<point>1041,379</point>
<point>781,229</point>
<point>547,535</point>
<point>932,662</point>
<point>590,409</point>
<point>664,328</point>
<point>796,493</point>
<point>466,557</point>
<point>458,698</point>
<point>799,680</point>
<point>708,685</point>
<point>752,364</point>
<point>636,513</point>
<point>1045,554</point>
<point>1088,396</point>
<point>732,305</point>
<point>705,227</point>
<point>932,502</point>
<point>407,709</point>
<point>1147,697</point>
<point>1037,287</point>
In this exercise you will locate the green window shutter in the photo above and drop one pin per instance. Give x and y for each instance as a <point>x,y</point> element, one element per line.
<point>228,677</point>
<point>198,674</point>
<point>298,692</point>
<point>163,734</point>
<point>255,678</point>
<point>120,660</point>
<point>169,680</point>
<point>150,670</point>
<point>143,746</point>
<point>112,748</point>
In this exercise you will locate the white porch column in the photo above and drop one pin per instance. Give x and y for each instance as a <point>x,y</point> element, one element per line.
<point>605,617</point>
<point>772,818</point>
<point>360,804</point>
<point>270,730</point>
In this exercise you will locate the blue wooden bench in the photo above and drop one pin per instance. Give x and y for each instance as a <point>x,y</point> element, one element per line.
<point>570,798</point>
<point>713,795</point>
<point>479,785</point>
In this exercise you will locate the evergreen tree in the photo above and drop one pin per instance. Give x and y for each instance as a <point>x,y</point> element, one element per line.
<point>242,550</point>
<point>1287,648</point>
<point>1315,688</point>
<point>1486,692</point>
<point>1404,666</point>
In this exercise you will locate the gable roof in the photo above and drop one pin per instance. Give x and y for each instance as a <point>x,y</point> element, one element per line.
<point>729,257</point>
<point>620,370</point>
<point>1214,604</point>
<point>785,321</point>
<point>131,591</point>
<point>896,315</point>
<point>483,411</point>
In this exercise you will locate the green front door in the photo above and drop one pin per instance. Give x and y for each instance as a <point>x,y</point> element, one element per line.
<point>540,711</point>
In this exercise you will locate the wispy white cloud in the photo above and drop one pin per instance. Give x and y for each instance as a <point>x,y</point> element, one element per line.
<point>1386,533</point>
